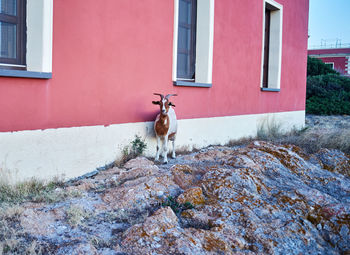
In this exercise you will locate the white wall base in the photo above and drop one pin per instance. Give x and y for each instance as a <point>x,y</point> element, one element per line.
<point>71,152</point>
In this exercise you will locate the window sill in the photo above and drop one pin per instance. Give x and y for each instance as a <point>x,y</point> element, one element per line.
<point>270,90</point>
<point>25,74</point>
<point>192,84</point>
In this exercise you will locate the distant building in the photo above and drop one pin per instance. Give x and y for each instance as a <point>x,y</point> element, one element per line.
<point>337,58</point>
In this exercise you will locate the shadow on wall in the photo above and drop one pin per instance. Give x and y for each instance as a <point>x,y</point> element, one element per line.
<point>148,115</point>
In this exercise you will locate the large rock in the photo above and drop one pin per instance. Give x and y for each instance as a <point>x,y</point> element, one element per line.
<point>265,199</point>
<point>258,199</point>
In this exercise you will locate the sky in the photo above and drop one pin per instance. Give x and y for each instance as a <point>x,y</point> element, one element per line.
<point>329,20</point>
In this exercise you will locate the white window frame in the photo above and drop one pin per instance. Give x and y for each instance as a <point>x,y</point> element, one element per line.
<point>39,35</point>
<point>275,48</point>
<point>330,63</point>
<point>204,44</point>
<point>39,19</point>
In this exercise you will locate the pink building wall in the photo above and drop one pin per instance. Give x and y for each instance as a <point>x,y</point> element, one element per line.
<point>109,58</point>
<point>340,57</point>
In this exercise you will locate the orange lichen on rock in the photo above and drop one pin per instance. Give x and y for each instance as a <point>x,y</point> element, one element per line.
<point>182,175</point>
<point>214,243</point>
<point>193,196</point>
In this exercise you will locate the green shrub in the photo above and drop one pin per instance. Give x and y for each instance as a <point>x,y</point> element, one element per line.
<point>317,67</point>
<point>328,94</point>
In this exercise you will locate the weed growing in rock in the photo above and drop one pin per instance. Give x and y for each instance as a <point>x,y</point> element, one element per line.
<point>99,243</point>
<point>175,206</point>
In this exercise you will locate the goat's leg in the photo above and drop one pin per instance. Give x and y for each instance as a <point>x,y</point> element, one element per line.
<point>158,148</point>
<point>173,154</point>
<point>165,150</point>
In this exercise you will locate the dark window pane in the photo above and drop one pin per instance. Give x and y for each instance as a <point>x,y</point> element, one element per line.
<point>184,38</point>
<point>186,45</point>
<point>8,7</point>
<point>7,40</point>
<point>182,65</point>
<point>185,12</point>
<point>266,48</point>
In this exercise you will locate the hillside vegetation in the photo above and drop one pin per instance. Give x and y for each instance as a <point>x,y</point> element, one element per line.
<point>327,92</point>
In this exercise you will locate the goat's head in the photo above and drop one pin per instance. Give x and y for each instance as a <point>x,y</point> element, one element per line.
<point>164,103</point>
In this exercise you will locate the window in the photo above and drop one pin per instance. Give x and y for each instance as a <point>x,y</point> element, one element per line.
<point>266,47</point>
<point>330,64</point>
<point>193,42</point>
<point>12,33</point>
<point>272,46</point>
<point>186,44</point>
<point>31,49</point>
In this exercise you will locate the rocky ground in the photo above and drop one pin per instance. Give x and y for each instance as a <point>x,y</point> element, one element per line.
<point>261,198</point>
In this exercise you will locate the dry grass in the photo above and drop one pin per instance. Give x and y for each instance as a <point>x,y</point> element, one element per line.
<point>12,238</point>
<point>311,139</point>
<point>76,215</point>
<point>34,191</point>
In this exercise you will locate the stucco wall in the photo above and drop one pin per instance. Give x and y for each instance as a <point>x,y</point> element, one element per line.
<point>71,152</point>
<point>108,59</point>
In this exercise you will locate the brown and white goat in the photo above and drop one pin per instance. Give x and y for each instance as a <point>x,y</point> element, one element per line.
<point>165,125</point>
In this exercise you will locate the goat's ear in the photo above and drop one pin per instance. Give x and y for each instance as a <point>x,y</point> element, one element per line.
<point>171,104</point>
<point>155,102</point>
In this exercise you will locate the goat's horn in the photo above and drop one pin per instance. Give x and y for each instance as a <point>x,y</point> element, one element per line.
<point>161,96</point>
<point>169,95</point>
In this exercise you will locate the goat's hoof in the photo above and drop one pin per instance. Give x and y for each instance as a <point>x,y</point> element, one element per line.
<point>173,156</point>
<point>165,162</point>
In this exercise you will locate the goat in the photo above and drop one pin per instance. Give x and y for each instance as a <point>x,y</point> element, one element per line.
<point>165,125</point>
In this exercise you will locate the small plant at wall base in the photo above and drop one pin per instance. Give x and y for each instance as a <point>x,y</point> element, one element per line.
<point>138,145</point>
<point>136,148</point>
